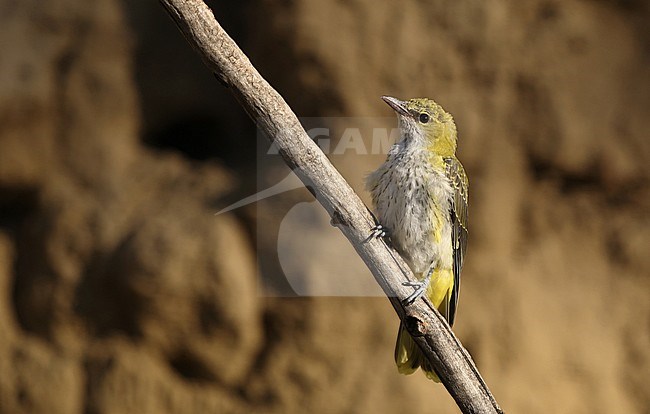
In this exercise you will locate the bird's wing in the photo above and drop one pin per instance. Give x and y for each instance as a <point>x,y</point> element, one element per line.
<point>456,174</point>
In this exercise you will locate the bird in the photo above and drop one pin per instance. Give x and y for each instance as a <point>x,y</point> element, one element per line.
<point>420,198</point>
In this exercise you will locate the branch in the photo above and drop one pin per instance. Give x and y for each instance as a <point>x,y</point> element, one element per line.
<point>266,107</point>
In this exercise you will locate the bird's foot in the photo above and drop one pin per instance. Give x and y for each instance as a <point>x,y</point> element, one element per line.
<point>419,288</point>
<point>377,232</point>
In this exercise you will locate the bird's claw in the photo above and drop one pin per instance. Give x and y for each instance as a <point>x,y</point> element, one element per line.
<point>377,232</point>
<point>420,288</point>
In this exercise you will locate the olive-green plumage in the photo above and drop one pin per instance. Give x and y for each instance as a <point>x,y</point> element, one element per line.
<point>420,195</point>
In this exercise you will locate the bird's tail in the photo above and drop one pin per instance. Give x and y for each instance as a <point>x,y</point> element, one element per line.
<point>408,356</point>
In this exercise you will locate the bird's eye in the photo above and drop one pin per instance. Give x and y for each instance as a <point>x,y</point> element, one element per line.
<point>424,118</point>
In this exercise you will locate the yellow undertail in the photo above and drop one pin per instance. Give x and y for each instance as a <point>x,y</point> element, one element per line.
<point>408,355</point>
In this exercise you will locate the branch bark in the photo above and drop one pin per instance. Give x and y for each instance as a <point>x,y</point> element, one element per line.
<point>271,114</point>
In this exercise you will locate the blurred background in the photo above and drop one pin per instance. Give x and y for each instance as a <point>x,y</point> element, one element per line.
<point>121,292</point>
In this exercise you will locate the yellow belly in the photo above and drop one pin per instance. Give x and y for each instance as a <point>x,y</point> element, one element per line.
<point>439,292</point>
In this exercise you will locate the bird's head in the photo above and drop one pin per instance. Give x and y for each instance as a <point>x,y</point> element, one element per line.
<point>424,122</point>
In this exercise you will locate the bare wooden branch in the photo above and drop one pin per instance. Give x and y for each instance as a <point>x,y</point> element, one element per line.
<point>272,115</point>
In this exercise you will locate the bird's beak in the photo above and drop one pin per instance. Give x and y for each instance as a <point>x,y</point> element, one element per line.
<point>397,105</point>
